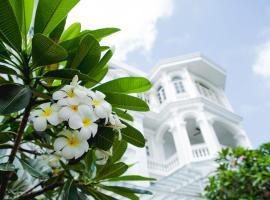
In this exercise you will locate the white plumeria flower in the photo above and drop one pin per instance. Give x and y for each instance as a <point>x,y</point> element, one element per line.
<point>116,124</point>
<point>46,112</point>
<point>70,108</point>
<point>102,157</point>
<point>102,108</point>
<point>70,145</point>
<point>85,122</point>
<point>70,92</point>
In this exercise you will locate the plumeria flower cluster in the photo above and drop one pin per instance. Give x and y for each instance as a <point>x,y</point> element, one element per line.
<point>82,110</point>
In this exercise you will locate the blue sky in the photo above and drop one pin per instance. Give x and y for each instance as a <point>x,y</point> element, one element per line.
<point>234,34</point>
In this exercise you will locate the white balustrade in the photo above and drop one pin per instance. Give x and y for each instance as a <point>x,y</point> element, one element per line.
<point>200,152</point>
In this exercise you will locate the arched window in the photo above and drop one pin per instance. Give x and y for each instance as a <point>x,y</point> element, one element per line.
<point>178,84</point>
<point>161,94</point>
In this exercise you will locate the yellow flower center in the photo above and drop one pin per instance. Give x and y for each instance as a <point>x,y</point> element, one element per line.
<point>71,93</point>
<point>74,108</point>
<point>73,141</point>
<point>86,122</point>
<point>47,112</point>
<point>96,102</point>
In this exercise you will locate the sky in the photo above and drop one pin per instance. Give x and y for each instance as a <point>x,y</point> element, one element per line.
<point>234,34</point>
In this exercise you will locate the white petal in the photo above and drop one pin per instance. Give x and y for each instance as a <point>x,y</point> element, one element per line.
<point>106,106</point>
<point>94,128</point>
<point>85,145</point>
<point>85,111</point>
<point>80,92</point>
<point>62,102</point>
<point>40,124</point>
<point>85,133</point>
<point>54,119</point>
<point>67,88</point>
<point>59,143</point>
<point>78,152</point>
<point>45,105</point>
<point>65,113</point>
<point>59,95</point>
<point>68,153</point>
<point>101,112</point>
<point>36,113</point>
<point>75,122</point>
<point>100,95</point>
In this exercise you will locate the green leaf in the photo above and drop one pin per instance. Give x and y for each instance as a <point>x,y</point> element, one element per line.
<point>57,32</point>
<point>87,55</point>
<point>104,138</point>
<point>97,77</point>
<point>3,51</point>
<point>9,29</point>
<point>16,98</point>
<point>69,191</point>
<point>126,102</point>
<point>30,168</point>
<point>72,31</point>
<point>118,150</point>
<point>125,85</point>
<point>111,171</point>
<point>102,63</point>
<point>5,137</point>
<point>50,13</point>
<point>130,178</point>
<point>123,114</point>
<point>7,167</point>
<point>67,74</point>
<point>101,33</point>
<point>123,191</point>
<point>133,136</point>
<point>7,70</point>
<point>23,10</point>
<point>45,51</point>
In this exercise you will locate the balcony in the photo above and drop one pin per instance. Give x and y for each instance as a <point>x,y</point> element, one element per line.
<point>200,152</point>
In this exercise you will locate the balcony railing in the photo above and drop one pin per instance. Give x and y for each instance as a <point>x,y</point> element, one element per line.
<point>167,166</point>
<point>200,152</point>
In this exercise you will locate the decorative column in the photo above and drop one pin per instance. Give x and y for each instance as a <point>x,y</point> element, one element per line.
<point>191,85</point>
<point>181,140</point>
<point>209,135</point>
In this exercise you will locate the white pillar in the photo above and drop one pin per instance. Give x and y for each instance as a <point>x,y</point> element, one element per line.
<point>191,85</point>
<point>181,140</point>
<point>209,134</point>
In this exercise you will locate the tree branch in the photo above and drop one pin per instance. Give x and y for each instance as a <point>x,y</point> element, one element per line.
<point>15,148</point>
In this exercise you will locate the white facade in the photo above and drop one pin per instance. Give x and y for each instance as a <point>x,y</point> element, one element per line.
<point>190,120</point>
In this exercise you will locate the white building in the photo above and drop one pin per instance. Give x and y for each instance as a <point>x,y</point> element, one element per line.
<point>190,120</point>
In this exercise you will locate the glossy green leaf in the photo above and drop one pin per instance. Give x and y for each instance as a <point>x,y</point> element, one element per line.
<point>57,32</point>
<point>45,51</point>
<point>9,28</point>
<point>104,138</point>
<point>123,114</point>
<point>30,168</point>
<point>133,136</point>
<point>5,137</point>
<point>98,77</point>
<point>67,74</point>
<point>118,150</point>
<point>125,85</point>
<point>122,191</point>
<point>7,167</point>
<point>130,178</point>
<point>101,33</point>
<point>72,31</point>
<point>16,98</point>
<point>126,102</point>
<point>50,13</point>
<point>69,191</point>
<point>23,10</point>
<point>7,70</point>
<point>113,170</point>
<point>3,51</point>
<point>101,64</point>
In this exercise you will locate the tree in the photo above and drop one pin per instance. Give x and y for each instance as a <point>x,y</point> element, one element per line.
<point>62,132</point>
<point>241,174</point>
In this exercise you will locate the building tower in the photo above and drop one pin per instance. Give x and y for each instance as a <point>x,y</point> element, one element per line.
<point>190,120</point>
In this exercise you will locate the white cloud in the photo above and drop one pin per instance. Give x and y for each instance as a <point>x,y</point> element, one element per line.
<point>262,62</point>
<point>137,20</point>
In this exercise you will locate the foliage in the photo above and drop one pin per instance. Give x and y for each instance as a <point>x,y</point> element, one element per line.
<point>241,174</point>
<point>52,97</point>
